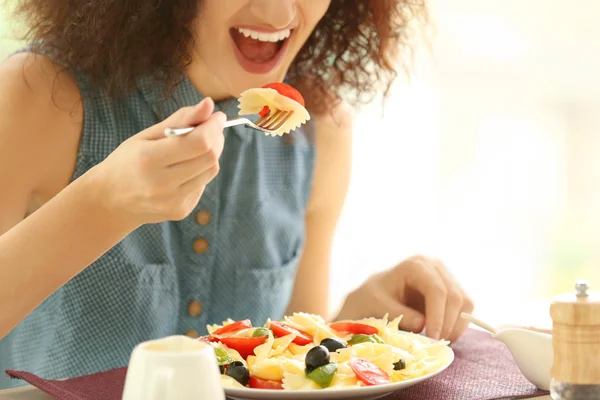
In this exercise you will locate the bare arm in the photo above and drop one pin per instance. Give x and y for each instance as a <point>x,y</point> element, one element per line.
<point>40,126</point>
<point>48,248</point>
<point>39,132</point>
<point>331,180</point>
<point>158,179</point>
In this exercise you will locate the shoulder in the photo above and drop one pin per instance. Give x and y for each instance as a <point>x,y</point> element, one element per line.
<point>335,123</point>
<point>30,81</point>
<point>42,115</point>
<point>333,134</point>
<point>333,140</point>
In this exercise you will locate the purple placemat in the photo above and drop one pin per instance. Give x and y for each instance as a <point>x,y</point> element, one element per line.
<point>483,369</point>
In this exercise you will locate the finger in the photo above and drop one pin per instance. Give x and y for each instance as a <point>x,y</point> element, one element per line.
<point>454,300</point>
<point>199,114</point>
<point>461,324</point>
<point>424,278</point>
<point>206,138</point>
<point>452,314</point>
<point>178,174</point>
<point>412,320</point>
<point>197,184</point>
<point>182,118</point>
<point>193,189</point>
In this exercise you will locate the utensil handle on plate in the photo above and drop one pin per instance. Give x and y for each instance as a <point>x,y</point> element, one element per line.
<point>479,323</point>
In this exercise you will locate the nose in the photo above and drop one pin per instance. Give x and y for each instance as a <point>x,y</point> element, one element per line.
<point>276,13</point>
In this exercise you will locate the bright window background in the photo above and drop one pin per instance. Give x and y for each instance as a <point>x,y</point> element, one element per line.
<point>488,159</point>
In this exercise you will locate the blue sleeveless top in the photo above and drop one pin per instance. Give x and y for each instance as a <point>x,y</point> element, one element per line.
<point>235,256</point>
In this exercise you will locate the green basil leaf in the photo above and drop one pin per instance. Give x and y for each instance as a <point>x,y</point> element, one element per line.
<point>223,357</point>
<point>323,375</point>
<point>260,332</point>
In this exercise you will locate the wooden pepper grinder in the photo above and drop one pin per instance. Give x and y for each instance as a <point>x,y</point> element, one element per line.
<point>576,343</point>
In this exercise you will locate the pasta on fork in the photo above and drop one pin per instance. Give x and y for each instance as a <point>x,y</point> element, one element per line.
<point>272,97</point>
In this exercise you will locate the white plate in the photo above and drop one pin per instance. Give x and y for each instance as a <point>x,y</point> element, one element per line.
<point>363,393</point>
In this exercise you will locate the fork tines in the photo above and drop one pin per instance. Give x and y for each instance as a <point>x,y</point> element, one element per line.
<point>274,120</point>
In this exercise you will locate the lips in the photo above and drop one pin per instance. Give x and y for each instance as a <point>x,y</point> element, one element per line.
<point>257,51</point>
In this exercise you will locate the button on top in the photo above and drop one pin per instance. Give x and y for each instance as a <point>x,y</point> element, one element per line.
<point>192,333</point>
<point>203,217</point>
<point>194,308</point>
<point>200,246</point>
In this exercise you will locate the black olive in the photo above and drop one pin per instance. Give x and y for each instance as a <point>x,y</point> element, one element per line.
<point>399,365</point>
<point>332,344</point>
<point>316,357</point>
<point>238,371</point>
<point>222,369</point>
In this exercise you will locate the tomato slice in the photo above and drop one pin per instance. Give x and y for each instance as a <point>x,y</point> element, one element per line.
<point>281,329</point>
<point>204,339</point>
<point>286,90</point>
<point>208,339</point>
<point>369,373</point>
<point>257,383</point>
<point>244,345</point>
<point>264,111</point>
<point>236,326</point>
<point>353,327</point>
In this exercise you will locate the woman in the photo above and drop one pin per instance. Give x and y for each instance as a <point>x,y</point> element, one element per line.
<point>114,234</point>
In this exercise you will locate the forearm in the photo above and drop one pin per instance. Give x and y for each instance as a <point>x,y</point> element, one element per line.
<point>329,187</point>
<point>309,305</point>
<point>311,288</point>
<point>51,246</point>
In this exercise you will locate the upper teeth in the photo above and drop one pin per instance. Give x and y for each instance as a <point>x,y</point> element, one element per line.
<point>265,37</point>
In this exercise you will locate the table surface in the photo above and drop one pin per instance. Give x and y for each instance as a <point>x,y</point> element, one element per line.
<point>30,393</point>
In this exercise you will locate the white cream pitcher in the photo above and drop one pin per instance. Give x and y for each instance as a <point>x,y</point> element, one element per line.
<point>173,368</point>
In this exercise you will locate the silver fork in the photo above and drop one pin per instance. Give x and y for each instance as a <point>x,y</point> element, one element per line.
<point>270,123</point>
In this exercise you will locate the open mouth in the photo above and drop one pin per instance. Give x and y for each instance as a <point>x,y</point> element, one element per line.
<point>259,52</point>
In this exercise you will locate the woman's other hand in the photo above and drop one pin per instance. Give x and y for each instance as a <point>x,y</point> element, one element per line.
<point>422,290</point>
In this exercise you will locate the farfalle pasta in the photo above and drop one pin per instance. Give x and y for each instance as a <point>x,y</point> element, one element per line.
<point>272,97</point>
<point>304,352</point>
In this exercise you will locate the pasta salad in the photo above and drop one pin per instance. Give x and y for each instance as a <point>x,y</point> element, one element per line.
<point>303,352</point>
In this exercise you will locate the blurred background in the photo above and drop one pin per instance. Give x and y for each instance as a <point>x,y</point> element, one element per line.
<point>487,159</point>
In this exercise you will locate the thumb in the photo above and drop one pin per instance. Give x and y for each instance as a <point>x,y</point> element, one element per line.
<point>412,320</point>
<point>182,118</point>
<point>197,115</point>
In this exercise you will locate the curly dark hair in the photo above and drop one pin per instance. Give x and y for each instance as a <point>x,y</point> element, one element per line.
<point>355,51</point>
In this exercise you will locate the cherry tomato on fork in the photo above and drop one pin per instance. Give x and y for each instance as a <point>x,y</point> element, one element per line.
<point>287,91</point>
